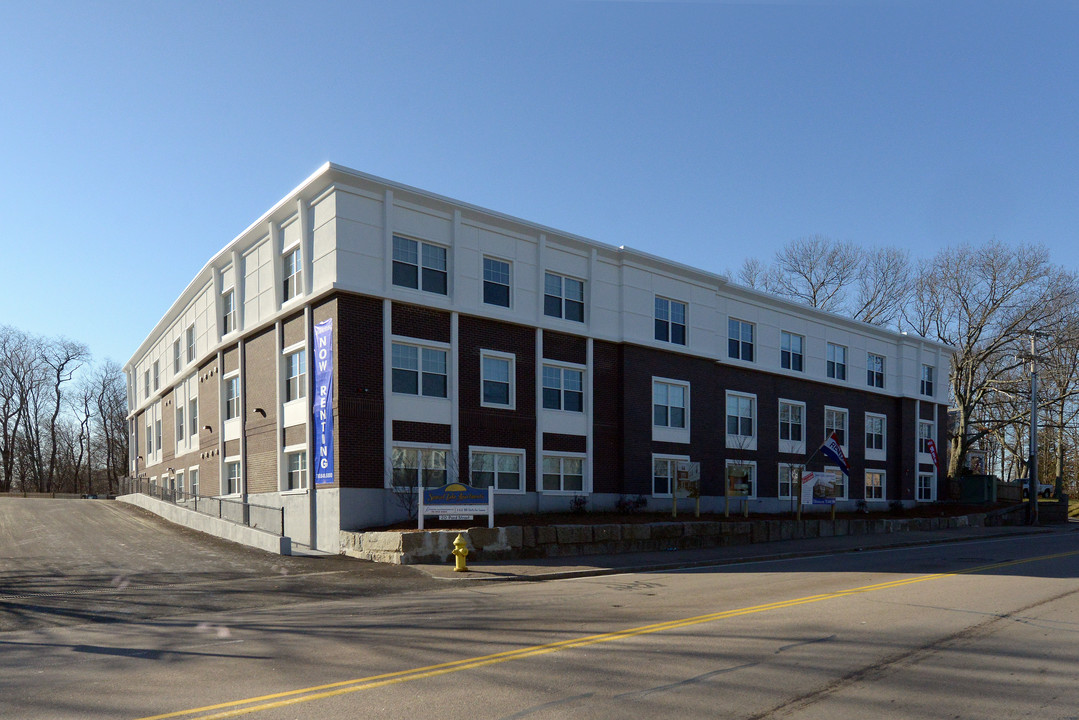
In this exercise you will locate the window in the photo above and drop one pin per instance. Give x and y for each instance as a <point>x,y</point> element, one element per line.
<point>228,312</point>
<point>670,321</point>
<point>563,474</point>
<point>497,380</point>
<point>791,421</point>
<point>925,436</point>
<point>740,415</point>
<point>419,265</point>
<point>418,467</point>
<point>176,357</point>
<point>874,485</point>
<point>232,398</point>
<point>146,378</point>
<point>419,370</point>
<point>835,421</point>
<point>296,470</point>
<point>840,479</point>
<point>742,478</point>
<point>232,477</point>
<point>837,362</point>
<point>295,376</point>
<point>496,282</point>
<point>790,352</point>
<point>191,343</point>
<point>663,473</point>
<point>149,441</point>
<point>290,287</point>
<point>179,423</point>
<point>669,404</point>
<point>498,470</point>
<point>874,435</point>
<point>740,340</point>
<point>788,481</point>
<point>927,380</point>
<point>157,375</point>
<point>193,478</point>
<point>563,297</point>
<point>193,418</point>
<point>925,487</point>
<point>157,434</point>
<point>180,482</point>
<point>874,365</point>
<point>563,389</point>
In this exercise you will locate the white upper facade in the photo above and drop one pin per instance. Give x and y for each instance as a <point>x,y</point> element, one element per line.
<point>344,230</point>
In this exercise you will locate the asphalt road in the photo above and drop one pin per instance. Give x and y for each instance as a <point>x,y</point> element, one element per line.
<point>985,629</point>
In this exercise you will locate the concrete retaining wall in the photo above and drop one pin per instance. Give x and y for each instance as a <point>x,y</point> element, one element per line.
<point>212,526</point>
<point>508,543</point>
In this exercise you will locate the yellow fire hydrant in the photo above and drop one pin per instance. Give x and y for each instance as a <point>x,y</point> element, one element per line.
<point>460,551</point>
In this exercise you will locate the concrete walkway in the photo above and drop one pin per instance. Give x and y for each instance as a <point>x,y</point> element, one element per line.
<point>591,565</point>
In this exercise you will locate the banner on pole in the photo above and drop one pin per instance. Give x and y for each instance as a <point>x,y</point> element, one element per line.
<point>933,453</point>
<point>322,403</point>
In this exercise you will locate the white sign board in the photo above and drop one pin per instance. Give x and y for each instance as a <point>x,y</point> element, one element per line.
<point>819,488</point>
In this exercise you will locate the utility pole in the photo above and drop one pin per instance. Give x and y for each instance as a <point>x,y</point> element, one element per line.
<point>1032,481</point>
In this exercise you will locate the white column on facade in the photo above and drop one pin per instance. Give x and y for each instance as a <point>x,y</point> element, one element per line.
<point>279,344</point>
<point>387,239</point>
<point>387,386</point>
<point>307,247</point>
<point>220,422</point>
<point>239,288</point>
<point>537,385</point>
<point>455,403</point>
<point>308,426</point>
<point>243,421</point>
<point>455,265</point>
<point>589,289</point>
<point>218,281</point>
<point>589,396</point>
<point>276,266</point>
<point>541,270</point>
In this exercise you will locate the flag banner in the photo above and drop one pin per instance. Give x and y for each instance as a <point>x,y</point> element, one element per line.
<point>322,405</point>
<point>832,449</point>
<point>933,452</point>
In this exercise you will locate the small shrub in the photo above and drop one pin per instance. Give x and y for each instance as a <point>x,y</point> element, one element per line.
<point>579,504</point>
<point>863,506</point>
<point>629,505</point>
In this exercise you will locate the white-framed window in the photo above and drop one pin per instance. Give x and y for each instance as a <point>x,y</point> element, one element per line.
<point>664,469</point>
<point>928,371</point>
<point>497,379</point>
<point>741,420</point>
<point>874,370</point>
<point>233,480</point>
<point>191,343</point>
<point>180,426</point>
<point>180,482</point>
<point>788,481</point>
<point>419,370</point>
<point>925,435</point>
<point>742,472</point>
<point>414,466</point>
<point>176,357</point>
<point>193,417</point>
<point>149,440</point>
<point>791,426</point>
<point>835,421</point>
<point>926,487</point>
<point>874,484</point>
<point>670,321</point>
<point>500,469</point>
<point>193,480</point>
<point>670,400</point>
<point>157,434</point>
<point>232,397</point>
<point>295,375</point>
<point>419,265</point>
<point>740,339</point>
<point>496,282</point>
<point>563,473</point>
<point>563,388</point>
<point>837,362</point>
<point>792,352</point>
<point>563,297</point>
<point>876,436</point>
<point>841,480</point>
<point>290,271</point>
<point>146,382</point>
<point>157,375</point>
<point>228,311</point>
<point>295,469</point>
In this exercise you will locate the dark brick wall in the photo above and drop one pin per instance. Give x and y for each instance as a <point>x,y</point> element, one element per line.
<point>420,322</point>
<point>557,442</point>
<point>421,432</point>
<point>607,409</point>
<point>493,427</point>
<point>261,353</point>
<point>209,440</point>
<point>565,348</point>
<point>292,328</point>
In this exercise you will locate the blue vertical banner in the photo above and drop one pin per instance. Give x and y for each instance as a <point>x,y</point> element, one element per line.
<point>322,407</point>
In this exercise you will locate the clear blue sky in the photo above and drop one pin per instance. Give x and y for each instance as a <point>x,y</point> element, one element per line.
<point>138,138</point>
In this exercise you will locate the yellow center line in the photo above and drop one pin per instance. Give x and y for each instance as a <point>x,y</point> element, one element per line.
<point>317,692</point>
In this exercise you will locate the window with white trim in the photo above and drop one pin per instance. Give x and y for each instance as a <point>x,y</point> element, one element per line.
<point>290,271</point>
<point>742,472</point>
<point>791,351</point>
<point>874,485</point>
<point>295,375</point>
<point>788,481</point>
<point>149,441</point>
<point>835,421</point>
<point>874,370</point>
<point>228,312</point>
<point>296,470</point>
<point>928,372</point>
<point>180,427</point>
<point>157,434</point>
<point>670,321</point>
<point>193,417</point>
<point>418,467</point>
<point>563,388</point>
<point>232,397</point>
<point>497,379</point>
<point>876,427</point>
<point>419,370</point>
<point>841,481</point>
<point>193,480</point>
<point>232,477</point>
<point>791,421</point>
<point>419,265</point>
<point>925,487</point>
<point>741,416</point>
<point>563,473</point>
<point>669,404</point>
<point>180,482</point>
<point>191,343</point>
<point>563,297</point>
<point>925,436</point>
<point>664,468</point>
<point>496,282</point>
<point>176,357</point>
<point>498,470</point>
<point>837,362</point>
<point>740,339</point>
<point>157,375</point>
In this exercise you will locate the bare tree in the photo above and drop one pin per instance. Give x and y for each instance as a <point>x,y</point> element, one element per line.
<point>814,270</point>
<point>63,358</point>
<point>882,286</point>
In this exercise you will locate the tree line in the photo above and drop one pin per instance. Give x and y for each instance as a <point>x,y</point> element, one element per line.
<point>1004,308</point>
<point>63,421</point>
